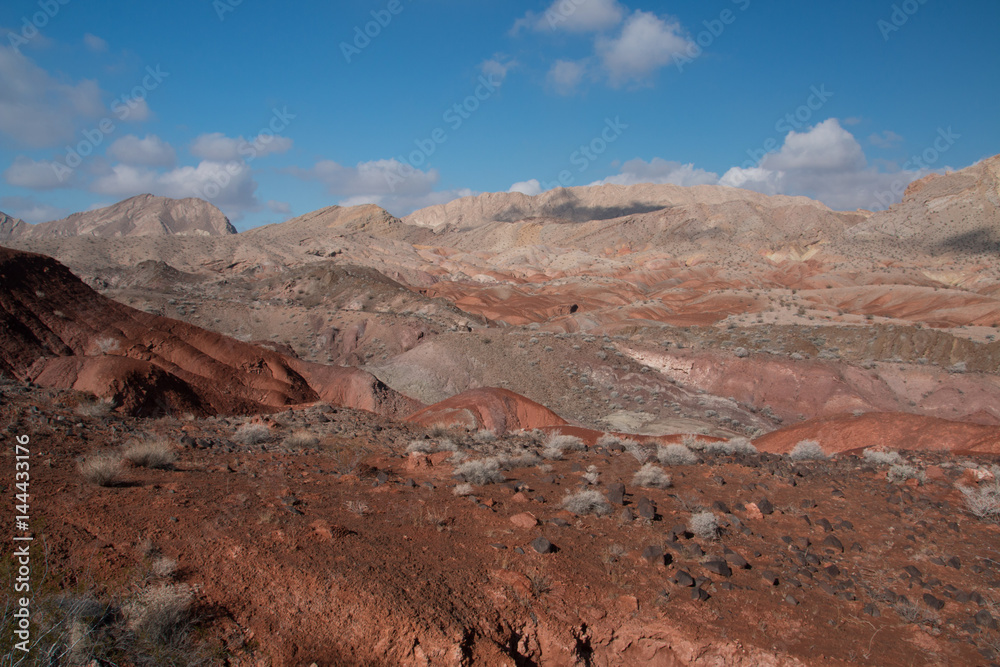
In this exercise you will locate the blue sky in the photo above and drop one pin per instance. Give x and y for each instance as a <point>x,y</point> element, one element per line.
<point>271,112</point>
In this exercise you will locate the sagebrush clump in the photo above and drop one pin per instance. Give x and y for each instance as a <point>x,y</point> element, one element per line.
<point>480,472</point>
<point>882,458</point>
<point>151,453</point>
<point>704,525</point>
<point>675,455</point>
<point>587,501</point>
<point>984,501</point>
<point>252,434</point>
<point>565,442</point>
<point>807,450</point>
<point>651,476</point>
<point>103,469</point>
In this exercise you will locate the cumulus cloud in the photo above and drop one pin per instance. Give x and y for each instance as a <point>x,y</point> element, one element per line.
<point>375,178</point>
<point>39,111</point>
<point>573,16</point>
<point>645,44</point>
<point>565,76</point>
<point>34,174</point>
<point>827,163</point>
<point>217,147</point>
<point>150,151</point>
<point>31,210</point>
<point>230,186</point>
<point>391,184</point>
<point>660,171</point>
<point>95,43</point>
<point>531,187</point>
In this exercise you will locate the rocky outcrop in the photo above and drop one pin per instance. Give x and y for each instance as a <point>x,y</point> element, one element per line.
<point>58,332</point>
<point>497,410</point>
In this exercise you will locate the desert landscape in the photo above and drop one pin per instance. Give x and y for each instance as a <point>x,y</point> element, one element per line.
<point>331,393</point>
<point>500,432</point>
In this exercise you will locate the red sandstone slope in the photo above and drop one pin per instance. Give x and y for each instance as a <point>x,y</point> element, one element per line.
<point>58,332</point>
<point>498,410</point>
<point>896,431</point>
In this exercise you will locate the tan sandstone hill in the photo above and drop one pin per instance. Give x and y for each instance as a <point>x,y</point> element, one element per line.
<point>144,215</point>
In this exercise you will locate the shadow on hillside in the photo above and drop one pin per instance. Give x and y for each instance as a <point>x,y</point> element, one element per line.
<point>981,241</point>
<point>573,213</point>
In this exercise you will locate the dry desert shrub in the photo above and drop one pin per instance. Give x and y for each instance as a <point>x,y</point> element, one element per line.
<point>984,501</point>
<point>651,476</point>
<point>252,434</point>
<point>704,525</point>
<point>675,455</point>
<point>899,473</point>
<point>157,612</point>
<point>740,445</point>
<point>564,442</point>
<point>587,501</point>
<point>807,450</point>
<point>485,436</point>
<point>95,409</point>
<point>150,453</point>
<point>301,439</point>
<point>420,447</point>
<point>102,469</point>
<point>480,472</point>
<point>463,489</point>
<point>882,458</point>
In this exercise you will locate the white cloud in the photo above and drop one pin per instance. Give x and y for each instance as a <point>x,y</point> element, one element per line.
<point>229,186</point>
<point>660,171</point>
<point>824,147</point>
<point>34,174</point>
<point>574,16</point>
<point>497,67</point>
<point>646,43</point>
<point>218,147</point>
<point>370,179</point>
<point>38,111</point>
<point>886,139</point>
<point>395,186</point>
<point>531,187</point>
<point>150,151</point>
<point>566,75</point>
<point>31,210</point>
<point>826,163</point>
<point>401,205</point>
<point>95,43</point>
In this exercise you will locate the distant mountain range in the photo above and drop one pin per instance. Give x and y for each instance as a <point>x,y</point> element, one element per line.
<point>144,215</point>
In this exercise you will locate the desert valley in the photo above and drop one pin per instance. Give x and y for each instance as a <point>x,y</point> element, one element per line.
<point>607,425</point>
